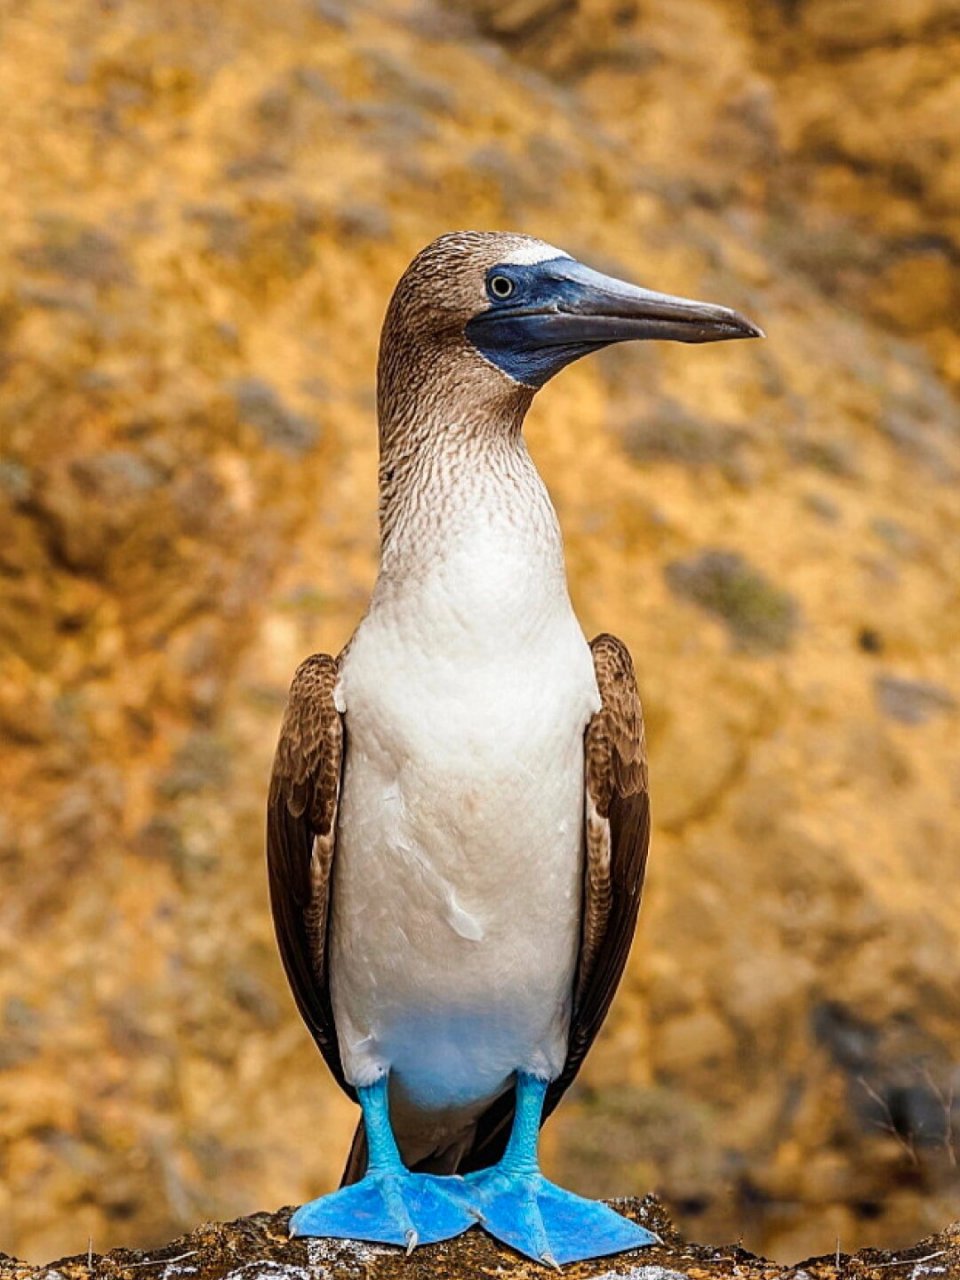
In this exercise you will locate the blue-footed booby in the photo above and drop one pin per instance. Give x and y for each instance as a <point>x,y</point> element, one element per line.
<point>458,815</point>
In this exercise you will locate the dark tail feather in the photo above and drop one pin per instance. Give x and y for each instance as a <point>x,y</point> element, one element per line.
<point>448,1160</point>
<point>489,1138</point>
<point>445,1161</point>
<point>357,1159</point>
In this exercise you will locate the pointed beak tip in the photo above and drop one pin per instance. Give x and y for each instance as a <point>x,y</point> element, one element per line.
<point>747,328</point>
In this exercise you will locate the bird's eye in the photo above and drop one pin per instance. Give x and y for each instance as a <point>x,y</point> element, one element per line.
<point>501,287</point>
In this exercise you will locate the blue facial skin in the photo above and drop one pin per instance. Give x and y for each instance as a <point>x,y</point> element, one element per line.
<point>518,342</point>
<point>543,315</point>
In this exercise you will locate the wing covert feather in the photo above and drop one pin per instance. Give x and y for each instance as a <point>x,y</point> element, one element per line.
<point>617,837</point>
<point>301,843</point>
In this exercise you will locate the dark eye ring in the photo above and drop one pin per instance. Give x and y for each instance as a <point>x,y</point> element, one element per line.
<point>501,287</point>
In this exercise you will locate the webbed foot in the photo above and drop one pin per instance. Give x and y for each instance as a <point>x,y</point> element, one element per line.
<point>546,1223</point>
<point>387,1207</point>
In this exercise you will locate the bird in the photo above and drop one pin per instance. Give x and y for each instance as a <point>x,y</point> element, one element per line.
<point>458,816</point>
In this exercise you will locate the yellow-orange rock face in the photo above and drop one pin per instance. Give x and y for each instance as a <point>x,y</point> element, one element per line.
<point>204,211</point>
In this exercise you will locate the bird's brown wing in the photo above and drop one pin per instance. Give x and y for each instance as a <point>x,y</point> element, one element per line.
<point>617,836</point>
<point>301,843</point>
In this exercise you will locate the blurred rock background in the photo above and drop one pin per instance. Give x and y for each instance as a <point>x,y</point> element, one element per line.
<point>204,209</point>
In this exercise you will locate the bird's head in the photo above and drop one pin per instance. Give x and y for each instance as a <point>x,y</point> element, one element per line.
<point>500,308</point>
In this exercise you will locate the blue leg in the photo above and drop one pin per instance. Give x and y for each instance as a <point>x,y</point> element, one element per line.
<point>514,1202</point>
<point>389,1205</point>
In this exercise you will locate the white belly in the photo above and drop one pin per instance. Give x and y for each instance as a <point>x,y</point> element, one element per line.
<point>457,887</point>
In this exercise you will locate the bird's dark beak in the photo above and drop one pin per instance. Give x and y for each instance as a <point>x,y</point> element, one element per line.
<point>562,310</point>
<point>589,307</point>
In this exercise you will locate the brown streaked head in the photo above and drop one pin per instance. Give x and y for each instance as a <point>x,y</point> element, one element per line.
<point>523,310</point>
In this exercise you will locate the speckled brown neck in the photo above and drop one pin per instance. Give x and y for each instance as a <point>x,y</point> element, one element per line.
<point>443,411</point>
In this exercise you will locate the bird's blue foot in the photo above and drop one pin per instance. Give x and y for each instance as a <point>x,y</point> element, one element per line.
<point>514,1202</point>
<point>546,1223</point>
<point>389,1207</point>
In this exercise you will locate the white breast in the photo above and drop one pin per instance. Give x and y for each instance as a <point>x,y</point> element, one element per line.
<point>457,888</point>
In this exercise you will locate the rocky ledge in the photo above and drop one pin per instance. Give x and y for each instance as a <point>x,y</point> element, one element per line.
<point>259,1247</point>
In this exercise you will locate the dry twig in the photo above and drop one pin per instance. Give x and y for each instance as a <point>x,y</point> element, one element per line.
<point>905,1143</point>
